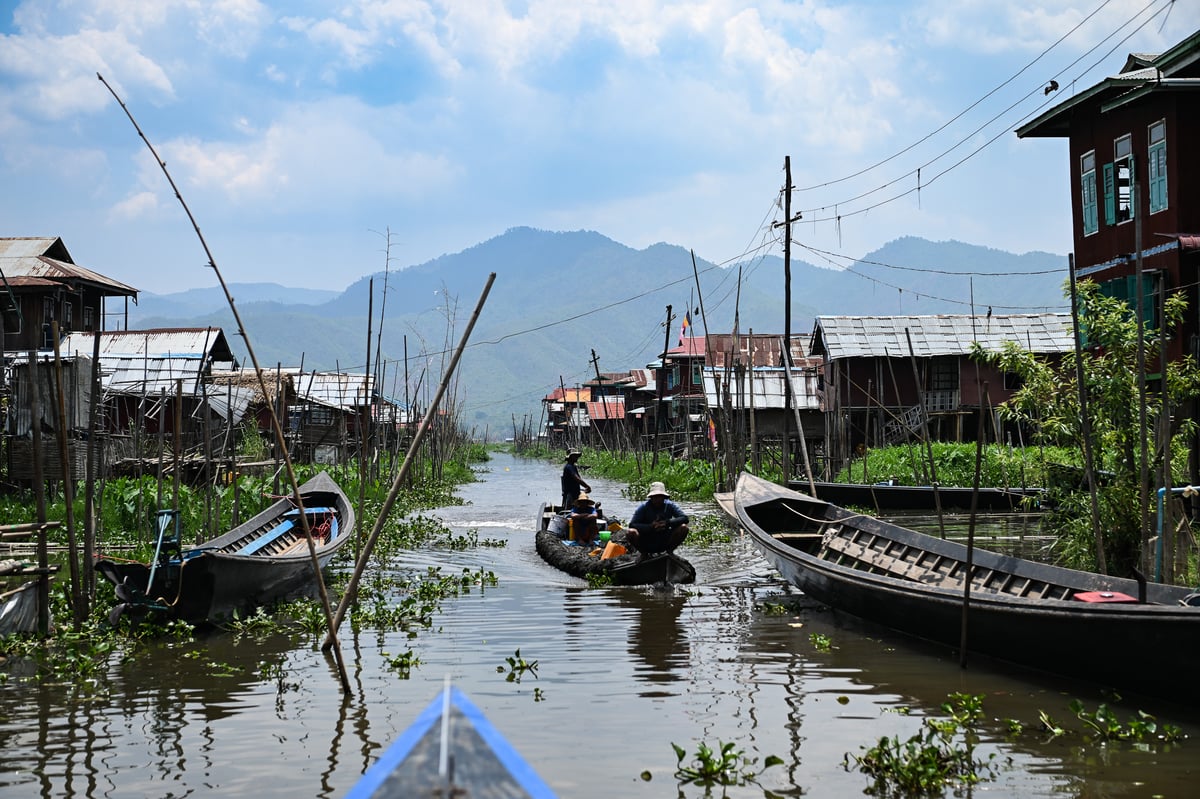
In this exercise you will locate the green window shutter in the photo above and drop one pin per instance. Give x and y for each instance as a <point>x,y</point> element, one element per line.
<point>1110,196</point>
<point>1158,177</point>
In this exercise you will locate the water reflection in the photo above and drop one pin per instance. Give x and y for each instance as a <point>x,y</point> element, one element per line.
<point>656,638</point>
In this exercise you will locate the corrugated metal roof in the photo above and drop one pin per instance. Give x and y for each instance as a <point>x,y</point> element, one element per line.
<point>767,385</point>
<point>335,389</point>
<point>148,362</point>
<point>951,334</point>
<point>26,261</point>
<point>767,348</point>
<point>607,408</point>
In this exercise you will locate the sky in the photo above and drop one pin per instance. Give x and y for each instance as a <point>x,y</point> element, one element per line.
<point>316,143</point>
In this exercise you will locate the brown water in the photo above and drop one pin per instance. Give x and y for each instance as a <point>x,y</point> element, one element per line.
<point>622,674</point>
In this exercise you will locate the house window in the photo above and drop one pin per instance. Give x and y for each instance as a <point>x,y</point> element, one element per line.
<point>47,309</point>
<point>943,374</point>
<point>1087,189</point>
<point>89,318</point>
<point>68,316</point>
<point>697,374</point>
<point>1123,176</point>
<point>1156,166</point>
<point>672,377</point>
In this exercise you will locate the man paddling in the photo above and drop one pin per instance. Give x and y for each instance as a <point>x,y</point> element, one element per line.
<point>572,480</point>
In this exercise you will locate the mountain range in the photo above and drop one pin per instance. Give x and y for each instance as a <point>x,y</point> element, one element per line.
<point>564,304</point>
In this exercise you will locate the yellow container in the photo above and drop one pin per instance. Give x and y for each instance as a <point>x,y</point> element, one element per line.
<point>611,550</point>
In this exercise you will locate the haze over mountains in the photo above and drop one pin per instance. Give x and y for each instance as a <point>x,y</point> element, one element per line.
<point>560,296</point>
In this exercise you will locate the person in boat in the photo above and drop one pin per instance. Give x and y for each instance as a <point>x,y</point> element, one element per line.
<point>584,520</point>
<point>572,480</point>
<point>658,525</point>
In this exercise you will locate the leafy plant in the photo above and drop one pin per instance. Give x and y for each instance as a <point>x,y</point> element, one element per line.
<point>939,755</point>
<point>403,663</point>
<point>518,666</point>
<point>725,765</point>
<point>820,642</point>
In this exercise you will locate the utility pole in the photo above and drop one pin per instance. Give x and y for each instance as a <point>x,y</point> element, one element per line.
<point>596,366</point>
<point>787,311</point>
<point>658,413</point>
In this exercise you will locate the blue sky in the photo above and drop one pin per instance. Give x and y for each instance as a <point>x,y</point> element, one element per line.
<point>298,132</point>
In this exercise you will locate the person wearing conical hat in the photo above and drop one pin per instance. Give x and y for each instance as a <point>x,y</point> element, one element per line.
<point>658,525</point>
<point>584,521</point>
<point>572,480</point>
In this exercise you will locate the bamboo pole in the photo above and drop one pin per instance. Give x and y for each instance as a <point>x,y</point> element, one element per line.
<point>64,456</point>
<point>966,605</point>
<point>430,413</point>
<point>39,493</point>
<point>937,500</point>
<point>89,499</point>
<point>1085,421</point>
<point>212,262</point>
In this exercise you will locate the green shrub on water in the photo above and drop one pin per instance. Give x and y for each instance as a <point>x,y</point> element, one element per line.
<point>725,765</point>
<point>941,754</point>
<point>1000,466</point>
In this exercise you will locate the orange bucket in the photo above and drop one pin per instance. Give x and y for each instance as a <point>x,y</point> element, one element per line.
<point>611,550</point>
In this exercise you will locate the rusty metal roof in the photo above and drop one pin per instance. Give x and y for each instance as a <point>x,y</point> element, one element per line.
<point>39,262</point>
<point>606,408</point>
<point>838,337</point>
<point>148,362</point>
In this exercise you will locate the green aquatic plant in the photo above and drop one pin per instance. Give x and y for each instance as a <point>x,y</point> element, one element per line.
<point>939,755</point>
<point>725,765</point>
<point>517,666</point>
<point>820,642</point>
<point>403,663</point>
<point>1104,724</point>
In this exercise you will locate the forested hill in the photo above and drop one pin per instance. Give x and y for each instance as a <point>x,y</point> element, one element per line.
<point>559,297</point>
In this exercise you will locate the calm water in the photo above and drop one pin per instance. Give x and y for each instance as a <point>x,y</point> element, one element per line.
<point>622,673</point>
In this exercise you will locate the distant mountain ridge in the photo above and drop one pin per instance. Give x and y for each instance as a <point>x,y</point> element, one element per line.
<point>560,296</point>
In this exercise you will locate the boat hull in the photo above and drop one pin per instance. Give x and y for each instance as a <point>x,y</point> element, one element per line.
<point>1149,647</point>
<point>253,565</point>
<point>478,761</point>
<point>632,568</point>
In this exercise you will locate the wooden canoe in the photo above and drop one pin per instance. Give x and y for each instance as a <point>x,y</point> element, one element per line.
<point>1118,633</point>
<point>450,750</point>
<point>263,560</point>
<point>632,568</point>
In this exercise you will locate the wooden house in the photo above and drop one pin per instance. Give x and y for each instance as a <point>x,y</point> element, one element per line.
<point>745,381</point>
<point>40,285</point>
<point>1135,174</point>
<point>155,386</point>
<point>888,379</point>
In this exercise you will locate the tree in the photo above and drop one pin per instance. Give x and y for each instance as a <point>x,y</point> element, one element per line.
<point>1048,403</point>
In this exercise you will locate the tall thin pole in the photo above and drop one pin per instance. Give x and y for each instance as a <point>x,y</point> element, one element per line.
<point>279,437</point>
<point>1144,477</point>
<point>1085,421</point>
<point>352,587</point>
<point>658,414</point>
<point>786,452</point>
<point>64,455</point>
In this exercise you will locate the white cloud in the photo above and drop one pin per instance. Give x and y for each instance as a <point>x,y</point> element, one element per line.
<point>134,207</point>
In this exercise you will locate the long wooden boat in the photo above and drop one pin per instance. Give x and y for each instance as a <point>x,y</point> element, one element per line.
<point>450,750</point>
<point>263,560</point>
<point>632,568</point>
<point>882,496</point>
<point>1134,636</point>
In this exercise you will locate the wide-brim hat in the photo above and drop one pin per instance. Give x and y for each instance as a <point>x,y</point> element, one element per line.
<point>573,454</point>
<point>583,499</point>
<point>657,490</point>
